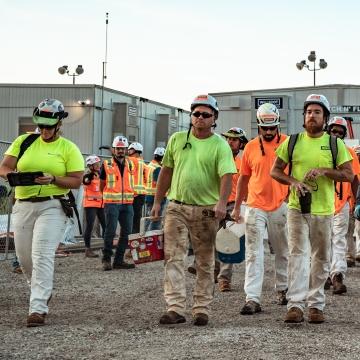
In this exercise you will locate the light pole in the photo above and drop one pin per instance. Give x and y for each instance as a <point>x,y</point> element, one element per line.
<point>312,57</point>
<point>64,69</point>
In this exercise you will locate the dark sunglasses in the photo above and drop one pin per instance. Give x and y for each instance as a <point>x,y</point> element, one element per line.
<point>47,127</point>
<point>339,132</point>
<point>205,115</point>
<point>271,128</point>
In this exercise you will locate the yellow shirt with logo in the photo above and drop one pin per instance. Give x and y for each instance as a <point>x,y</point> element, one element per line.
<point>310,153</point>
<point>56,158</point>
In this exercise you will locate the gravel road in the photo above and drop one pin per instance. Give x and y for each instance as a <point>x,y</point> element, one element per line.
<point>114,315</point>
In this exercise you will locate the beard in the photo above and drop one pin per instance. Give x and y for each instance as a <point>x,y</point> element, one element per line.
<point>313,128</point>
<point>269,137</point>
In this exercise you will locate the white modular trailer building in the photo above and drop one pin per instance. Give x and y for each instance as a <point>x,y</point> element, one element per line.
<point>96,115</point>
<point>238,108</point>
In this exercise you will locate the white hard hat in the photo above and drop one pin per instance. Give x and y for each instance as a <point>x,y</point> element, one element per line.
<point>206,100</point>
<point>49,112</point>
<point>92,159</point>
<point>159,151</point>
<point>120,141</point>
<point>268,115</point>
<point>318,99</point>
<point>338,120</point>
<point>136,146</point>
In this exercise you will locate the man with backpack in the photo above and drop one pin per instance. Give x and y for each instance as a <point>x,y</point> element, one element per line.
<point>313,168</point>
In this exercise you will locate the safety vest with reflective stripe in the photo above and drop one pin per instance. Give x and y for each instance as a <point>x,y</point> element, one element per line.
<point>139,175</point>
<point>92,194</point>
<point>150,183</point>
<point>118,189</point>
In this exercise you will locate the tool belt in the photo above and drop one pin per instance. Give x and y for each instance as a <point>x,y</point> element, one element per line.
<point>44,198</point>
<point>68,204</point>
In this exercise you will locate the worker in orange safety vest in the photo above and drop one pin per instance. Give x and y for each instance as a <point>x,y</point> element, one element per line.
<point>92,201</point>
<point>152,174</point>
<point>117,183</point>
<point>135,154</point>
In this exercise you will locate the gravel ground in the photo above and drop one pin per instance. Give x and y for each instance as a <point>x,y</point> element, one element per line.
<point>114,315</point>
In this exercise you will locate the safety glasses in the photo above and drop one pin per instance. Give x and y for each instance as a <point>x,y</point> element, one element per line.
<point>339,132</point>
<point>271,128</point>
<point>204,114</point>
<point>47,127</point>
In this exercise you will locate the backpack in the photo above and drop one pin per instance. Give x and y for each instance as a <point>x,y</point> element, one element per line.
<point>334,152</point>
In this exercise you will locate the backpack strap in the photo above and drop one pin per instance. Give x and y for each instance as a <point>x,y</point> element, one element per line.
<point>26,143</point>
<point>291,145</point>
<point>334,149</point>
<point>334,153</point>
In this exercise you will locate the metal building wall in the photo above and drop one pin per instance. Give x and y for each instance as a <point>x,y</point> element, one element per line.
<point>88,125</point>
<point>237,108</point>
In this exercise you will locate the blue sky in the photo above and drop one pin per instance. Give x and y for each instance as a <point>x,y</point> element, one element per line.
<point>170,51</point>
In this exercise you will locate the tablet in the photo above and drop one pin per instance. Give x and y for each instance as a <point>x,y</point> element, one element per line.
<point>23,178</point>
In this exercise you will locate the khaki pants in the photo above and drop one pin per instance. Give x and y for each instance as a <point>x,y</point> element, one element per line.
<point>308,234</point>
<point>180,222</point>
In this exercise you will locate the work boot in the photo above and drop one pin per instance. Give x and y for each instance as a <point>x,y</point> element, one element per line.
<point>17,270</point>
<point>224,285</point>
<point>250,308</point>
<point>328,283</point>
<point>200,319</point>
<point>123,265</point>
<point>106,264</point>
<point>171,317</point>
<point>35,319</point>
<point>338,285</point>
<point>294,315</point>
<point>350,261</point>
<point>90,254</point>
<point>281,297</point>
<point>315,316</point>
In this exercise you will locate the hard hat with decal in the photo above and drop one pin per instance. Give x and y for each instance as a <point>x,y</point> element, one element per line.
<point>49,112</point>
<point>206,100</point>
<point>236,132</point>
<point>338,120</point>
<point>136,146</point>
<point>92,159</point>
<point>318,99</point>
<point>159,151</point>
<point>268,115</point>
<point>120,141</point>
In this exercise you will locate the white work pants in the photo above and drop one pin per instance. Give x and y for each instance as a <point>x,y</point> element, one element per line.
<point>256,221</point>
<point>339,242</point>
<point>38,229</point>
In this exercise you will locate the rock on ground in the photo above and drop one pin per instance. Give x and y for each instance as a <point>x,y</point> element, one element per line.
<point>115,314</point>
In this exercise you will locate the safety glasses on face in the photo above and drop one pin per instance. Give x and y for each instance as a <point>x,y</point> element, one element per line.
<point>336,131</point>
<point>47,127</point>
<point>204,114</point>
<point>265,128</point>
